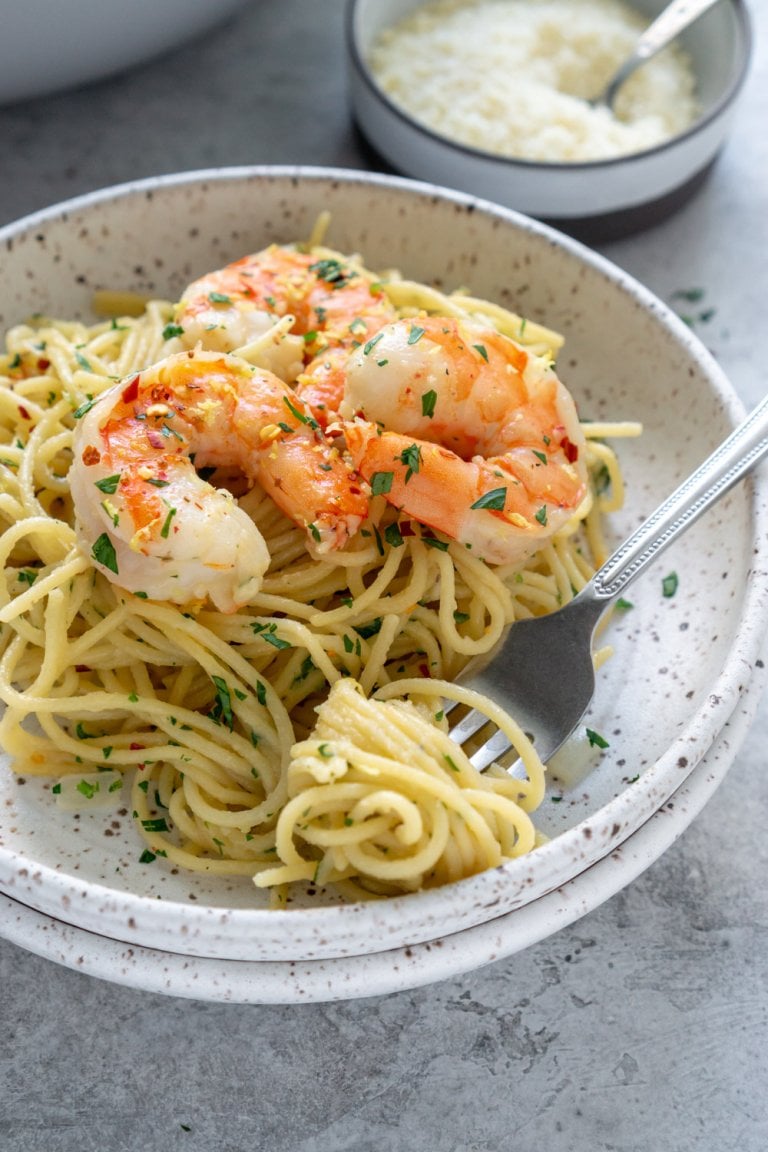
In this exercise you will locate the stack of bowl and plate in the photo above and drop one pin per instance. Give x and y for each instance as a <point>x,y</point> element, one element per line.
<point>672,701</point>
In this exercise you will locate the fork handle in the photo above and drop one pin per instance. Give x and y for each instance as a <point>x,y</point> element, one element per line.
<point>736,456</point>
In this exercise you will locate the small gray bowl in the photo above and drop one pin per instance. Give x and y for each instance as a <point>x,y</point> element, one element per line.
<point>595,200</point>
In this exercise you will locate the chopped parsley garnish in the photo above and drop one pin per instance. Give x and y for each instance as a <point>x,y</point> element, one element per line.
<point>428,401</point>
<point>451,763</point>
<point>596,740</point>
<point>87,789</point>
<point>381,483</point>
<point>84,407</point>
<point>541,515</point>
<point>623,605</point>
<point>393,536</point>
<point>541,455</point>
<point>219,298</point>
<point>81,360</point>
<point>493,500</point>
<point>300,416</point>
<point>411,457</point>
<point>172,330</point>
<point>415,334</point>
<point>481,350</point>
<point>267,632</point>
<point>371,629</point>
<point>158,824</point>
<point>433,542</point>
<point>103,552</point>
<point>332,271</point>
<point>166,528</point>
<point>109,484</point>
<point>372,343</point>
<point>690,295</point>
<point>221,711</point>
<point>147,857</point>
<point>669,584</point>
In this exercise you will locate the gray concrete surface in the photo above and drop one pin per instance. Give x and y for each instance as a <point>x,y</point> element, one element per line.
<point>641,1028</point>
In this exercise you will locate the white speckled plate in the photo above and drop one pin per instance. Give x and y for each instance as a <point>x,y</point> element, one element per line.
<point>681,664</point>
<point>379,973</point>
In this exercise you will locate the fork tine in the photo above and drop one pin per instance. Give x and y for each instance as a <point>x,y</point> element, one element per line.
<point>467,726</point>
<point>493,748</point>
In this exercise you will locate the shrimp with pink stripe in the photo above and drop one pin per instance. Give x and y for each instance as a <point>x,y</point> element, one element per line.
<point>467,432</point>
<point>152,524</point>
<point>306,310</point>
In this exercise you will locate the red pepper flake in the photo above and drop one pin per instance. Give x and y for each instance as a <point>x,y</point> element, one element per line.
<point>155,439</point>
<point>91,454</point>
<point>406,528</point>
<point>82,668</point>
<point>137,747</point>
<point>571,450</point>
<point>424,670</point>
<point>43,364</point>
<point>131,390</point>
<point>23,413</point>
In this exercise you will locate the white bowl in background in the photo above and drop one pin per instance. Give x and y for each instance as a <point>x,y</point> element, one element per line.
<point>596,200</point>
<point>682,665</point>
<point>46,47</point>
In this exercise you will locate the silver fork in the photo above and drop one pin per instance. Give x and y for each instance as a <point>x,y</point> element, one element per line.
<point>542,671</point>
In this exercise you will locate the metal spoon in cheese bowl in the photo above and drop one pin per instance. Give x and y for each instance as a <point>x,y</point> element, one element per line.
<point>525,672</point>
<point>667,26</point>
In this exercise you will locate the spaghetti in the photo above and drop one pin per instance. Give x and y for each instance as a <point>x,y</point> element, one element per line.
<point>299,739</point>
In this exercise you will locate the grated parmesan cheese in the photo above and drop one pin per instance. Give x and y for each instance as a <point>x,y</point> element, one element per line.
<point>514,77</point>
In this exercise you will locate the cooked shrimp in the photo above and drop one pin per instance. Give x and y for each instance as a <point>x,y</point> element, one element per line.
<point>333,306</point>
<point>153,525</point>
<point>466,432</point>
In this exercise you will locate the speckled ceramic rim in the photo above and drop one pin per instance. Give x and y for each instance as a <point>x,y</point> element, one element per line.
<point>726,99</point>
<point>381,973</point>
<point>363,928</point>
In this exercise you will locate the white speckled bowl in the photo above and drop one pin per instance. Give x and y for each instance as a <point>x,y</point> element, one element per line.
<point>681,664</point>
<point>594,200</point>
